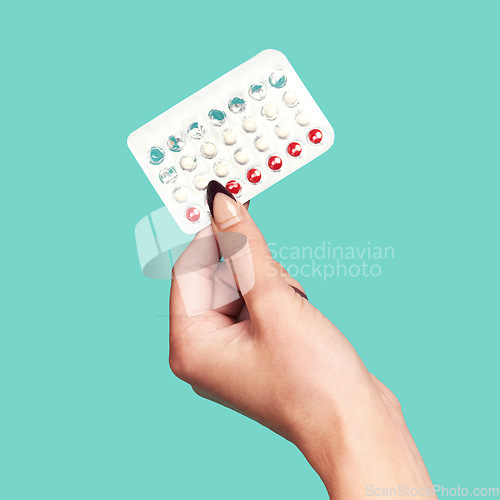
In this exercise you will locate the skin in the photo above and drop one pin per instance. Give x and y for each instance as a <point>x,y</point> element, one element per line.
<point>241,336</point>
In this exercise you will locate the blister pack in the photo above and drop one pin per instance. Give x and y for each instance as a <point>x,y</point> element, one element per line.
<point>248,130</point>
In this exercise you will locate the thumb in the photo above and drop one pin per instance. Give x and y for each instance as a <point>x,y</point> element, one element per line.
<point>242,245</point>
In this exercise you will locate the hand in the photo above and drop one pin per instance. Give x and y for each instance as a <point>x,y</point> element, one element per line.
<point>243,334</point>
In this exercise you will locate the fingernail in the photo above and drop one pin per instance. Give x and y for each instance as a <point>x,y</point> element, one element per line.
<point>213,188</point>
<point>224,208</point>
<point>300,292</point>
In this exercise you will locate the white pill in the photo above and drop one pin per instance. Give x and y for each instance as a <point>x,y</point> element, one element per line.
<point>201,182</point>
<point>241,156</point>
<point>303,118</point>
<point>208,150</point>
<point>229,138</point>
<point>261,143</point>
<point>282,131</point>
<point>181,195</point>
<point>270,111</point>
<point>187,162</point>
<point>221,168</point>
<point>249,125</point>
<point>290,99</point>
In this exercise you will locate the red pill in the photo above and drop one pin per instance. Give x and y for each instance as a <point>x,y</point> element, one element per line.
<point>275,163</point>
<point>254,175</point>
<point>315,136</point>
<point>233,187</point>
<point>294,149</point>
<point>193,214</point>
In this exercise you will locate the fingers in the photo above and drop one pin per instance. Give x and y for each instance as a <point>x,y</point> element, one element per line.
<point>201,283</point>
<point>192,286</point>
<point>242,245</point>
<point>226,298</point>
<point>288,279</point>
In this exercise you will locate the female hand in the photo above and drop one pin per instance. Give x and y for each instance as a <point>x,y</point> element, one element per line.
<point>243,334</point>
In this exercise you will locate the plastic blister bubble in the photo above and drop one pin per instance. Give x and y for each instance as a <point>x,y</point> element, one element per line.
<point>167,174</point>
<point>156,155</point>
<point>270,111</point>
<point>237,105</point>
<point>217,117</point>
<point>196,130</point>
<point>257,91</point>
<point>277,79</point>
<point>188,163</point>
<point>221,168</point>
<point>175,143</point>
<point>230,137</point>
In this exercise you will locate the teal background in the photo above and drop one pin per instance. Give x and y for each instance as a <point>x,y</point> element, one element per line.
<point>89,407</point>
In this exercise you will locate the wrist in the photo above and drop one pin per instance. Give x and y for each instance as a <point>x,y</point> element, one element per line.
<point>336,438</point>
<point>362,442</point>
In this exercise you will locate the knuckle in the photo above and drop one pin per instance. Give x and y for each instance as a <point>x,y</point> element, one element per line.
<point>177,366</point>
<point>397,402</point>
<point>187,348</point>
<point>268,306</point>
<point>181,361</point>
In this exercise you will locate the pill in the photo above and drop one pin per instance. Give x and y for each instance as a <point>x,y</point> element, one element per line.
<point>208,150</point>
<point>193,214</point>
<point>221,168</point>
<point>294,149</point>
<point>187,163</point>
<point>249,125</point>
<point>180,195</point>
<point>261,143</point>
<point>229,138</point>
<point>303,118</point>
<point>290,99</point>
<point>282,131</point>
<point>233,187</point>
<point>201,182</point>
<point>270,111</point>
<point>156,155</point>
<point>254,175</point>
<point>253,127</point>
<point>241,156</point>
<point>315,136</point>
<point>274,162</point>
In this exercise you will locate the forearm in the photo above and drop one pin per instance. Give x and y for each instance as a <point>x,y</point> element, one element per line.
<point>366,447</point>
